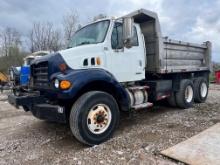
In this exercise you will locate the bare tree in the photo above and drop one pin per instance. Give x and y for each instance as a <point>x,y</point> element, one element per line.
<point>44,36</point>
<point>56,43</point>
<point>70,25</point>
<point>11,49</point>
<point>10,41</point>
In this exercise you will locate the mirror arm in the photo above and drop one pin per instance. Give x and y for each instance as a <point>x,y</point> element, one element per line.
<point>127,31</point>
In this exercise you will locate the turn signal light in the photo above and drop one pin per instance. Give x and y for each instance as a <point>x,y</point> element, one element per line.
<point>62,67</point>
<point>65,84</point>
<point>98,61</point>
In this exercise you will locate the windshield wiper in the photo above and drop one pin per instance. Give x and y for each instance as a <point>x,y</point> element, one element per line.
<point>84,43</point>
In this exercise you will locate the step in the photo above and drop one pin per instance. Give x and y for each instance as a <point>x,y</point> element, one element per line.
<point>141,106</point>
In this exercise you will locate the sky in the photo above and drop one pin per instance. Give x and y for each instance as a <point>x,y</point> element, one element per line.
<point>188,20</point>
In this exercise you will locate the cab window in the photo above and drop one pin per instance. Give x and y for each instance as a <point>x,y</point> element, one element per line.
<point>117,36</point>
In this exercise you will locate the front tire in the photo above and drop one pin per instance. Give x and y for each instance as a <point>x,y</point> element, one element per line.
<point>94,117</point>
<point>185,96</point>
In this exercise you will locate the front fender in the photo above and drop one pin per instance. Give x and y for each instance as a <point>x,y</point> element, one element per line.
<point>82,78</point>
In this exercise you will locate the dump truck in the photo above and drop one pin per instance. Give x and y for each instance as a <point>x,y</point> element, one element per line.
<point>115,65</point>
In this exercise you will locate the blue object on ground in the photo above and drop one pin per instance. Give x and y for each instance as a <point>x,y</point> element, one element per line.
<point>24,75</point>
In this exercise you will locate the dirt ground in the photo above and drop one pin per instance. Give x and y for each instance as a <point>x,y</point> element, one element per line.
<point>139,140</point>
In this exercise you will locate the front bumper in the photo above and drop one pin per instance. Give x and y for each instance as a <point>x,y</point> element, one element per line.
<point>39,107</point>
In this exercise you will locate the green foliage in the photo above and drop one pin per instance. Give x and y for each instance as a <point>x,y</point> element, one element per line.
<point>216,66</point>
<point>212,77</point>
<point>13,60</point>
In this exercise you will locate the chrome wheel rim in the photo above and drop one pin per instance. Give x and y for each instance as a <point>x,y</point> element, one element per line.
<point>189,94</point>
<point>99,118</point>
<point>203,89</point>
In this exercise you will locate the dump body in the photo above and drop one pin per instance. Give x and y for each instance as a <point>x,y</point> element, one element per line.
<point>178,56</point>
<point>164,55</point>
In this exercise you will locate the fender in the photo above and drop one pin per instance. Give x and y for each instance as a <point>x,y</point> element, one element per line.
<point>83,79</point>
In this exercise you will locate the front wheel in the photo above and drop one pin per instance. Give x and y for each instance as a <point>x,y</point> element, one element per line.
<point>94,117</point>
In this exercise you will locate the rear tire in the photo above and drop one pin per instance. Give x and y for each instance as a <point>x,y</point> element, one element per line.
<point>201,90</point>
<point>26,109</point>
<point>172,100</point>
<point>94,117</point>
<point>185,96</point>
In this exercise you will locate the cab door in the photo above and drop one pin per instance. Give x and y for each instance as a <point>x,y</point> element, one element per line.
<point>127,64</point>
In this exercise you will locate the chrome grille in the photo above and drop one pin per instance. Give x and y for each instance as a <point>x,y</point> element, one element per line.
<point>40,75</point>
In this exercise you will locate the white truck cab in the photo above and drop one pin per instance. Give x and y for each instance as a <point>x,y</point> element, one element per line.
<point>103,41</point>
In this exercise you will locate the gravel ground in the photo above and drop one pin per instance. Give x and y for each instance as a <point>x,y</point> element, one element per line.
<point>139,140</point>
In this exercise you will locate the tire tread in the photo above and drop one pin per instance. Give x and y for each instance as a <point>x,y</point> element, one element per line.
<point>172,100</point>
<point>75,113</point>
<point>197,83</point>
<point>179,95</point>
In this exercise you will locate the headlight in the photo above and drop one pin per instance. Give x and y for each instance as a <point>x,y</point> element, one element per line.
<point>56,83</point>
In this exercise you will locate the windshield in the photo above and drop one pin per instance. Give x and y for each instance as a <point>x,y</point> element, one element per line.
<point>91,34</point>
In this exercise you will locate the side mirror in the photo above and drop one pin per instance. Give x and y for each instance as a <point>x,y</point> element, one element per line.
<point>128,31</point>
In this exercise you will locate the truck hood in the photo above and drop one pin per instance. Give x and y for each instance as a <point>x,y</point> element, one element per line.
<point>74,57</point>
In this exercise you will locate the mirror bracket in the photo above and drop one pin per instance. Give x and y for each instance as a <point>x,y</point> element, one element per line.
<point>127,31</point>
